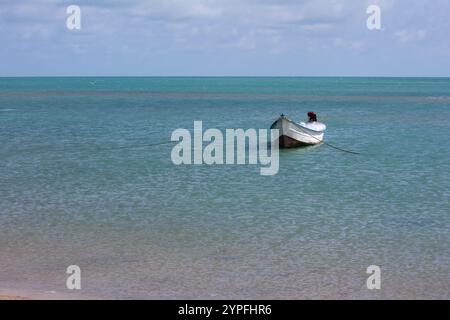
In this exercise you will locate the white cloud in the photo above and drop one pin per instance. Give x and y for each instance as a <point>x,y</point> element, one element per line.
<point>219,23</point>
<point>406,36</point>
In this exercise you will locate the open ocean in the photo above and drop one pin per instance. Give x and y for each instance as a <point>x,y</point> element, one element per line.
<point>80,185</point>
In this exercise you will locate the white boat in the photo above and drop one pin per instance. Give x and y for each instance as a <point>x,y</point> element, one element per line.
<point>293,134</point>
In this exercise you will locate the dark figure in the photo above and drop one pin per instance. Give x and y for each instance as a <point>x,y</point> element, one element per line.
<point>312,117</point>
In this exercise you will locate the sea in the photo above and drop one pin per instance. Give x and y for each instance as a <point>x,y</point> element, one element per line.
<point>86,179</point>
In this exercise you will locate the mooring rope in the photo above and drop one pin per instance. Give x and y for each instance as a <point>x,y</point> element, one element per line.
<point>137,146</point>
<point>329,144</point>
<point>97,148</point>
<point>343,150</point>
<point>169,142</point>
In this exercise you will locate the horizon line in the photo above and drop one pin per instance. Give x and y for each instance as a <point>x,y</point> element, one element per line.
<point>216,76</point>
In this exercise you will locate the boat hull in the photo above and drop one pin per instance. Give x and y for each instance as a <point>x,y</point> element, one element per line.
<point>292,135</point>
<point>288,142</point>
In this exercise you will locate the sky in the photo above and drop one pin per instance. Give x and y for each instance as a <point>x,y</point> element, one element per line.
<point>225,38</point>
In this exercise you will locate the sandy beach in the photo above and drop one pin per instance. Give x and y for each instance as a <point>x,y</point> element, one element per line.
<point>14,294</point>
<point>13,298</point>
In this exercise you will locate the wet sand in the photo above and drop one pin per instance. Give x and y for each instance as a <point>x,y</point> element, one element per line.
<point>13,294</point>
<point>13,298</point>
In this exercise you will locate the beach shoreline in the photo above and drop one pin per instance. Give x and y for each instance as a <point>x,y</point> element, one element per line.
<point>16,294</point>
<point>3,298</point>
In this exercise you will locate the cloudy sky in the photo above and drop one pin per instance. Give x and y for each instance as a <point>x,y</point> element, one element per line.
<point>225,37</point>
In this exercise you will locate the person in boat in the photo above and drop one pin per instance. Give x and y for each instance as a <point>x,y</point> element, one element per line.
<point>312,117</point>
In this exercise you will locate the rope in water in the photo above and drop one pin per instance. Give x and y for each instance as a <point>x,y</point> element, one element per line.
<point>169,142</point>
<point>76,149</point>
<point>138,146</point>
<point>329,144</point>
<point>343,150</point>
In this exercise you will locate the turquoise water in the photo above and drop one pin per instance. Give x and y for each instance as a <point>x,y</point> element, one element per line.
<point>78,185</point>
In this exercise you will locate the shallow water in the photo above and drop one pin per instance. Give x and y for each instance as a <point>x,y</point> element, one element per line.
<point>141,227</point>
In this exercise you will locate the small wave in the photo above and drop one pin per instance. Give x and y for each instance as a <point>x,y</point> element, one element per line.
<point>7,110</point>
